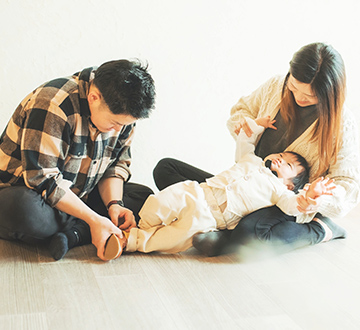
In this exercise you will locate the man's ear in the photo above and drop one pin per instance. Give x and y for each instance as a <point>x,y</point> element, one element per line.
<point>94,95</point>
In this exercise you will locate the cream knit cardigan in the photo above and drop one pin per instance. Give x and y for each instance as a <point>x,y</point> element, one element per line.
<point>346,171</point>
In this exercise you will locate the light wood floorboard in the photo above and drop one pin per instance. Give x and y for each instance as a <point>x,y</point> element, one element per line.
<point>311,288</point>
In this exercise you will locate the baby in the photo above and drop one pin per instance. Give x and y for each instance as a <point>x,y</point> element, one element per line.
<point>171,217</point>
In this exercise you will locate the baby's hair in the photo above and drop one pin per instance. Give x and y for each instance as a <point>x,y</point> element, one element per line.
<point>303,177</point>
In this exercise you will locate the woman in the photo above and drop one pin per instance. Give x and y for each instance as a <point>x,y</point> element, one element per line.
<point>307,105</point>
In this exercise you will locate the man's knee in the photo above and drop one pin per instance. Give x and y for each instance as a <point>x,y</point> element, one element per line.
<point>137,191</point>
<point>18,202</point>
<point>23,210</point>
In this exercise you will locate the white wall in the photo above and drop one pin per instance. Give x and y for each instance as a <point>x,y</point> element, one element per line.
<point>203,56</point>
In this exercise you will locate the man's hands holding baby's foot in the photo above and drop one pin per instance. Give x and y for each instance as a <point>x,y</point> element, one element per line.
<point>114,247</point>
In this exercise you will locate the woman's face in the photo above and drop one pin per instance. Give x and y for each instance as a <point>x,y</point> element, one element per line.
<point>303,94</point>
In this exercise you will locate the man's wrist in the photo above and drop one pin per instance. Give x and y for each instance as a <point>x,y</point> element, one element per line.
<point>113,202</point>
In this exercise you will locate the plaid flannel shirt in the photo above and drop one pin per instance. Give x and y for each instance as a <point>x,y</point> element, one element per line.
<point>51,145</point>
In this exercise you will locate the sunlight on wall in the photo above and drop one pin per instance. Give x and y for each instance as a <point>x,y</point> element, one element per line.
<point>203,56</point>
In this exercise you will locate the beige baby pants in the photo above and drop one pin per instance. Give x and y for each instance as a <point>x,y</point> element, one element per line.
<point>170,218</point>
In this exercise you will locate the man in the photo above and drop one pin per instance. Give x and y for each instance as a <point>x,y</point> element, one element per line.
<point>65,157</point>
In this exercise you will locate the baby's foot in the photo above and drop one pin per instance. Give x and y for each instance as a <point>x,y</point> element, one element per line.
<point>114,247</point>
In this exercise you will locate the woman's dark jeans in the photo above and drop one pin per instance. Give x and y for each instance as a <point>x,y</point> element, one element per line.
<point>25,216</point>
<point>267,227</point>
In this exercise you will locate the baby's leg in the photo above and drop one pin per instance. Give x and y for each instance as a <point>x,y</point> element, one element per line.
<point>164,207</point>
<point>155,212</point>
<point>190,215</point>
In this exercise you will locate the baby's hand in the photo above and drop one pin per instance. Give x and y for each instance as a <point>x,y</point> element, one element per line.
<point>320,187</point>
<point>265,122</point>
<point>243,124</point>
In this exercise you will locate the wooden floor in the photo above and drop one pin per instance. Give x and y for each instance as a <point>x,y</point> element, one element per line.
<point>311,288</point>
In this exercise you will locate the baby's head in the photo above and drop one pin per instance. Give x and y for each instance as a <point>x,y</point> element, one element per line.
<point>291,167</point>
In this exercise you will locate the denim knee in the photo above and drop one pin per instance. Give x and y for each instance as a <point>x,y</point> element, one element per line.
<point>25,213</point>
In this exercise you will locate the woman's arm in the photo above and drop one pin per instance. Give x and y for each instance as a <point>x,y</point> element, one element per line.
<point>345,173</point>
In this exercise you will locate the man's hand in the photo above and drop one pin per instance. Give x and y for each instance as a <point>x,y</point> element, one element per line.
<point>122,217</point>
<point>101,229</point>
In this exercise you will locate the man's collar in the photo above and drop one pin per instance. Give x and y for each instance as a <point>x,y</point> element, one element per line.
<point>85,78</point>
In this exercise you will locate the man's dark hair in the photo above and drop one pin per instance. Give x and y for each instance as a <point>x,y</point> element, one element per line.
<point>303,177</point>
<point>127,87</point>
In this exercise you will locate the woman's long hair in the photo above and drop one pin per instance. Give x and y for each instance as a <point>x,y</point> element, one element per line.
<point>321,66</point>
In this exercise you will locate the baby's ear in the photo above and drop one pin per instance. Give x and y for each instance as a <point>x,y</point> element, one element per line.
<point>289,184</point>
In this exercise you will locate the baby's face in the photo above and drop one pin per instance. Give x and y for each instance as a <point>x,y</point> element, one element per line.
<point>285,165</point>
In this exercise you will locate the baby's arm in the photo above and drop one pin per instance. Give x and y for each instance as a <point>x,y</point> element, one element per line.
<point>245,144</point>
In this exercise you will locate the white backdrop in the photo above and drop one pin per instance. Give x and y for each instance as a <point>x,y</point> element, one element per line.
<point>202,54</point>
